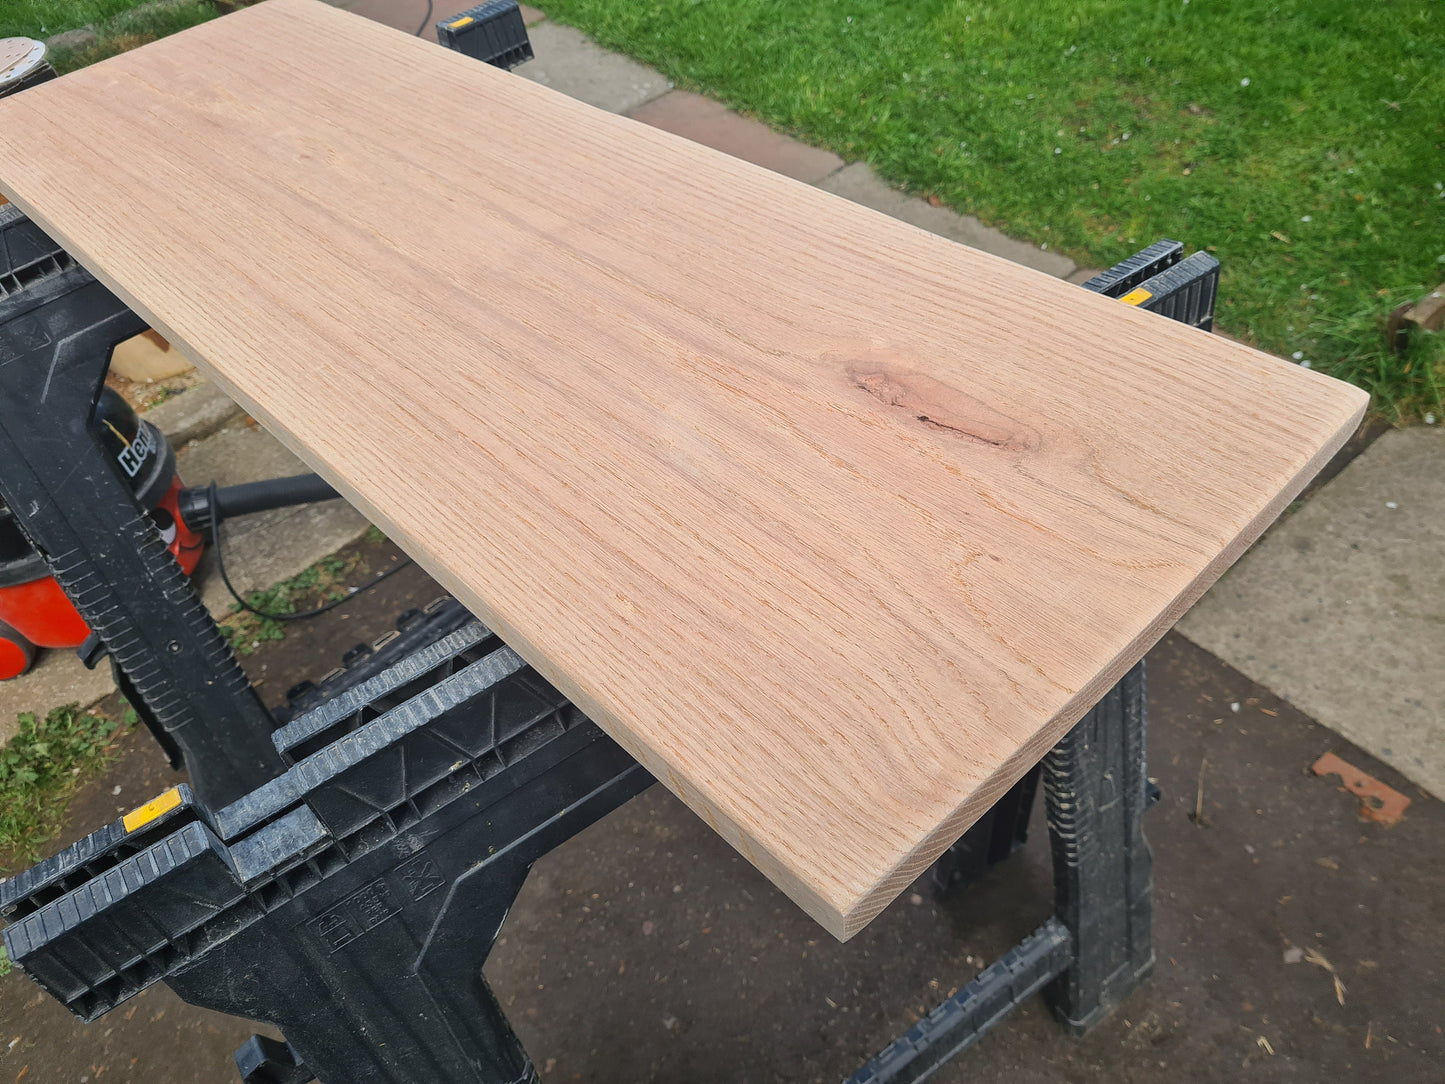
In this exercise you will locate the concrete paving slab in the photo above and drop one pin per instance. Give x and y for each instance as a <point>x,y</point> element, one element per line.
<point>713,124</point>
<point>57,678</point>
<point>569,61</point>
<point>860,184</point>
<point>237,453</point>
<point>195,414</point>
<point>1341,608</point>
<point>263,549</point>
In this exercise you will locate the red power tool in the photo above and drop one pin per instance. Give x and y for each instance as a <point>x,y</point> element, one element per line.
<point>34,611</point>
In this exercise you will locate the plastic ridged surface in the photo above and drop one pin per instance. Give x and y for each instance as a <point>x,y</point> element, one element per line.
<point>268,800</point>
<point>381,768</point>
<point>416,629</point>
<point>1126,274</point>
<point>364,697</point>
<point>1097,789</point>
<point>353,709</point>
<point>966,1017</point>
<point>95,599</point>
<point>31,888</point>
<point>1186,291</point>
<point>310,779</point>
<point>112,937</point>
<point>350,750</point>
<point>26,253</point>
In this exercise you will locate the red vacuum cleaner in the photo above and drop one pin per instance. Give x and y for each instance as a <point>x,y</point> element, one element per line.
<point>34,611</point>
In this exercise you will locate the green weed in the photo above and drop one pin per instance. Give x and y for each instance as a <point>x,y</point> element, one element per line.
<point>39,769</point>
<point>322,582</point>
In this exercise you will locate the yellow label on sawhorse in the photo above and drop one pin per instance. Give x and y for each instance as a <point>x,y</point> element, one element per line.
<point>463,21</point>
<point>137,819</point>
<point>1136,297</point>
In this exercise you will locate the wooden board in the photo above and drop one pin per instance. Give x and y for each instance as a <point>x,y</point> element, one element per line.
<point>834,524</point>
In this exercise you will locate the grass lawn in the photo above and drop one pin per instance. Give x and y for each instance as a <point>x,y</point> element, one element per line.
<point>127,29</point>
<point>1302,141</point>
<point>43,18</point>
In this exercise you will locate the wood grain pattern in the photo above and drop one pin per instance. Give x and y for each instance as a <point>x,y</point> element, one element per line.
<point>834,524</point>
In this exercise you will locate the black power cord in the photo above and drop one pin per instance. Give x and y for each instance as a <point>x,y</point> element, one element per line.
<point>424,20</point>
<point>221,567</point>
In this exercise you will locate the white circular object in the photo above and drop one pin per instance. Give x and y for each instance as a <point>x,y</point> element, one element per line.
<point>19,57</point>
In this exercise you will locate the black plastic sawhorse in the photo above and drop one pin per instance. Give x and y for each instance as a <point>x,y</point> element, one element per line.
<point>351,901</point>
<point>1096,948</point>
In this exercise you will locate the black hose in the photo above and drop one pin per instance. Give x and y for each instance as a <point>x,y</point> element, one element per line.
<point>200,506</point>
<point>252,497</point>
<point>212,496</point>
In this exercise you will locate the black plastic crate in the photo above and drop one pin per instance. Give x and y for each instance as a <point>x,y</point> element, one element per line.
<point>1186,292</point>
<point>494,33</point>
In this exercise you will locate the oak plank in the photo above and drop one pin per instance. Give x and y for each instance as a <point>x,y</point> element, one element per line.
<point>834,524</point>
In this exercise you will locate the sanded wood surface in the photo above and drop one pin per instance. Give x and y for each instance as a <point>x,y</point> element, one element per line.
<point>834,524</point>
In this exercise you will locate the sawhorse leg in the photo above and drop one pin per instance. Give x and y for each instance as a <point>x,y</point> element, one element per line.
<point>1097,790</point>
<point>1096,948</point>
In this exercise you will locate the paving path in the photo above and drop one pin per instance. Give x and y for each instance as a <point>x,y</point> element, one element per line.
<point>1341,608</point>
